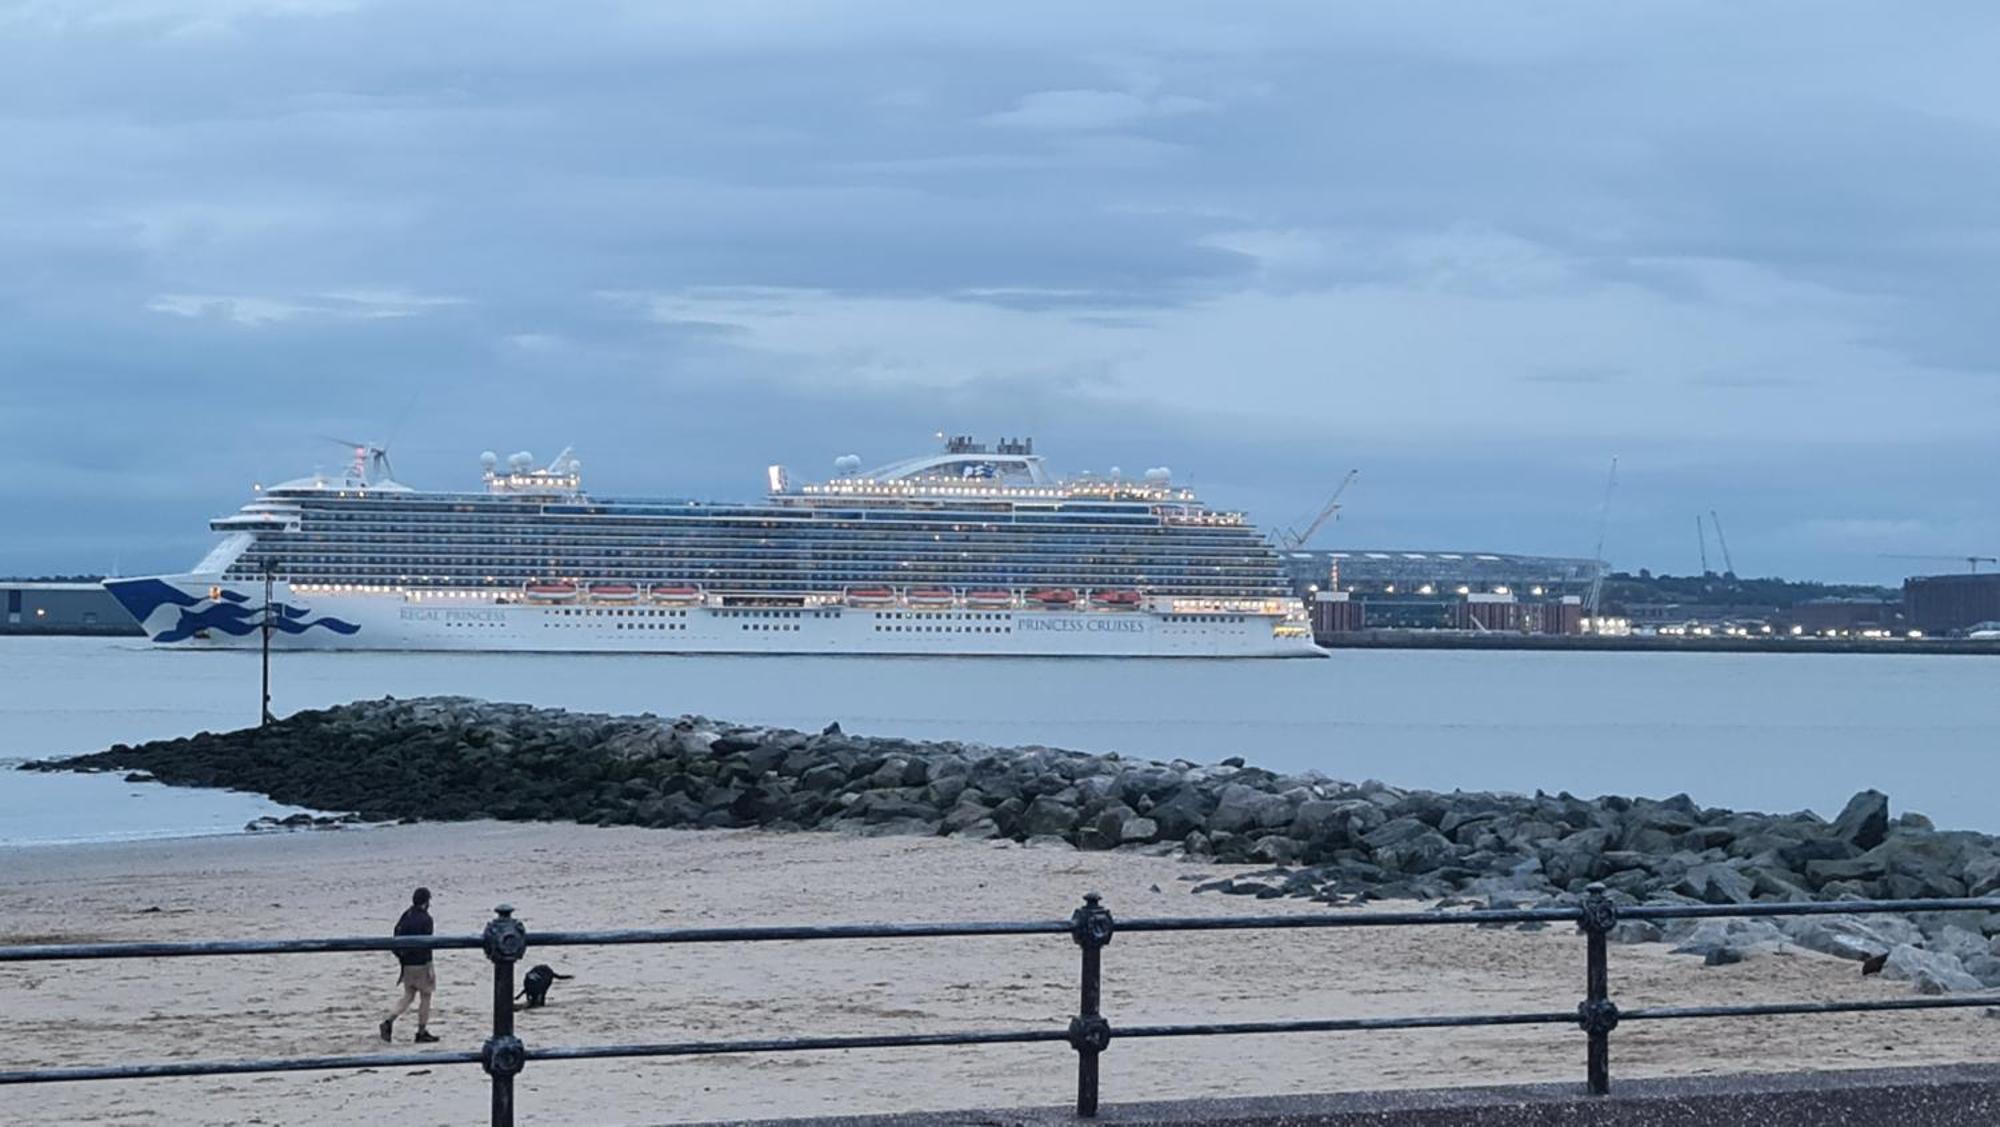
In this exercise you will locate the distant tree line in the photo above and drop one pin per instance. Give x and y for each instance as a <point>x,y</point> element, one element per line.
<point>1622,588</point>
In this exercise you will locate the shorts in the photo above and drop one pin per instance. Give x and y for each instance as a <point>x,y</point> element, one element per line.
<point>422,979</point>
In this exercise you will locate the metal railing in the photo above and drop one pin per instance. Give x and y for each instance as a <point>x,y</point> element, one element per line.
<point>1089,1033</point>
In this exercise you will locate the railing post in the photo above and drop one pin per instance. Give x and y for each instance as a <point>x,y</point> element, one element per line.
<point>506,940</point>
<point>1597,1013</point>
<point>1089,1033</point>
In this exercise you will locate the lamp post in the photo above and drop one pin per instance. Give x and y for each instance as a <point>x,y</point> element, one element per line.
<point>270,576</point>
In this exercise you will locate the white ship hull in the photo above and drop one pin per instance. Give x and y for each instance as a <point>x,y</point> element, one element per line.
<point>207,612</point>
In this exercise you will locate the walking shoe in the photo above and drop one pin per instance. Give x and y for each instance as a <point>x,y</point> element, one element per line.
<point>424,1035</point>
<point>385,1027</point>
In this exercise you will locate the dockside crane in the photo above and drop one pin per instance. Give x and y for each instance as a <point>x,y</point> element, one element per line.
<point>1291,540</point>
<point>1728,565</point>
<point>1603,522</point>
<point>1971,562</point>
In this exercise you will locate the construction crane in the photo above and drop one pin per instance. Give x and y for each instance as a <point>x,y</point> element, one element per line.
<point>1292,539</point>
<point>1701,537</point>
<point>1603,521</point>
<point>1728,565</point>
<point>1971,562</point>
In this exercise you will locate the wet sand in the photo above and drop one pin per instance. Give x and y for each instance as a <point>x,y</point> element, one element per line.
<point>355,882</point>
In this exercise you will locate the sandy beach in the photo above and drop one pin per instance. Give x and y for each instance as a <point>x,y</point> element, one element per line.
<point>355,882</point>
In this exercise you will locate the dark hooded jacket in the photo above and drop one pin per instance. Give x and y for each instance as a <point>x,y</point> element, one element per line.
<point>415,921</point>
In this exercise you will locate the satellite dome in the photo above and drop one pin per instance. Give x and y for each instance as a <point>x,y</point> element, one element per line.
<point>847,463</point>
<point>488,459</point>
<point>520,461</point>
<point>1159,475</point>
<point>1116,473</point>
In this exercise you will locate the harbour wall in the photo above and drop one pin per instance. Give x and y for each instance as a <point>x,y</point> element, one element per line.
<point>1499,640</point>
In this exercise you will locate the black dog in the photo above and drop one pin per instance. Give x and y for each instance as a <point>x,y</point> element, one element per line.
<point>535,986</point>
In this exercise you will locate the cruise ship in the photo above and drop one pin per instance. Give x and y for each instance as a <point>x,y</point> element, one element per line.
<point>971,550</point>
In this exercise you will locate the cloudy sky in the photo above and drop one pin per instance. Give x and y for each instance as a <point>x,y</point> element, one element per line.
<point>1474,250</point>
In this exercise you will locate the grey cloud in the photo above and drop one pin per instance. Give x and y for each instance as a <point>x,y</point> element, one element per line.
<point>1473,249</point>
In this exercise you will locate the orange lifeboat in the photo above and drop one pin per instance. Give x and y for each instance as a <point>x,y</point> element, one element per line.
<point>870,597</point>
<point>1055,597</point>
<point>931,597</point>
<point>675,594</point>
<point>614,592</point>
<point>989,600</point>
<point>550,592</point>
<point>1117,600</point>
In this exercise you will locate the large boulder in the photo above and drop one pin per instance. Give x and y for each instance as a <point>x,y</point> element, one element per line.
<point>1048,817</point>
<point>1240,808</point>
<point>1864,821</point>
<point>1727,941</point>
<point>1715,883</point>
<point>1183,813</point>
<point>1857,869</point>
<point>1933,972</point>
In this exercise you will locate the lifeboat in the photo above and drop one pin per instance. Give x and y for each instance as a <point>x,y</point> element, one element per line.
<point>989,600</point>
<point>614,592</point>
<point>550,592</point>
<point>1117,600</point>
<point>1056,597</point>
<point>675,594</point>
<point>930,597</point>
<point>870,597</point>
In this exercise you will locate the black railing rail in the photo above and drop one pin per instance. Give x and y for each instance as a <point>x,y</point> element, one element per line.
<point>1089,1033</point>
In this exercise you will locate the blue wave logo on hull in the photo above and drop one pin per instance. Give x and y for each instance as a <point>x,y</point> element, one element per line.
<point>229,613</point>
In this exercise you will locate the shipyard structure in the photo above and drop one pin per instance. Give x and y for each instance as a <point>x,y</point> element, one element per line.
<point>1356,590</point>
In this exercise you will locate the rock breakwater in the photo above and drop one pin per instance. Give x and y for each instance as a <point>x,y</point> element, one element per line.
<point>453,758</point>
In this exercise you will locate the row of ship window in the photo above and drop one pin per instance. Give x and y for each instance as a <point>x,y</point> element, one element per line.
<point>927,616</point>
<point>881,629</point>
<point>763,548</point>
<point>816,575</point>
<point>626,625</point>
<point>1074,514</point>
<point>813,576</point>
<point>540,532</point>
<point>1204,618</point>
<point>657,563</point>
<point>787,530</point>
<point>617,612</point>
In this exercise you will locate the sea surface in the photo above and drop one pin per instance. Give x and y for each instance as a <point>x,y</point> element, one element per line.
<point>1774,732</point>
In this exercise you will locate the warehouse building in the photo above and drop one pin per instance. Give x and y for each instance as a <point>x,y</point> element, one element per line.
<point>62,608</point>
<point>1948,605</point>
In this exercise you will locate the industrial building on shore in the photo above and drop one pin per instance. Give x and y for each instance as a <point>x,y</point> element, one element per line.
<point>1483,592</point>
<point>1945,605</point>
<point>62,608</point>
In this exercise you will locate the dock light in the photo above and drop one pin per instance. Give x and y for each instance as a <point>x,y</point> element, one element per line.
<point>1389,589</point>
<point>1464,590</point>
<point>1501,591</point>
<point>1798,630</point>
<point>1427,589</point>
<point>1536,591</point>
<point>1915,634</point>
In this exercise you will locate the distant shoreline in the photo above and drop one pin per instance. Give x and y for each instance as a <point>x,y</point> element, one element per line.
<point>1498,640</point>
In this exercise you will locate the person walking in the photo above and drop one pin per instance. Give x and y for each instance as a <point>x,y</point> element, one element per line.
<point>418,978</point>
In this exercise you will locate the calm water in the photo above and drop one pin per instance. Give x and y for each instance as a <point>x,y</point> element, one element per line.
<point>1754,731</point>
